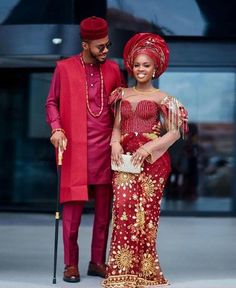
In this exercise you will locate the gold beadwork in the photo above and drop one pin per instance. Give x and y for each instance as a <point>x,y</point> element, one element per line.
<point>101,94</point>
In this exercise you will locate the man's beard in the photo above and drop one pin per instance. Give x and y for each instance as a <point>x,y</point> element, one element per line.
<point>95,57</point>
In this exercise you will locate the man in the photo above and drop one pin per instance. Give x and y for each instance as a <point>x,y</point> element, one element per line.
<point>81,121</point>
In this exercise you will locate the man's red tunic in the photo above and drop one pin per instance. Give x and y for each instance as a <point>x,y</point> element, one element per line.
<point>85,133</point>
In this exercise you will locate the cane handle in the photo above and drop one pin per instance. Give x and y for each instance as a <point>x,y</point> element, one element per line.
<point>57,215</point>
<point>60,156</point>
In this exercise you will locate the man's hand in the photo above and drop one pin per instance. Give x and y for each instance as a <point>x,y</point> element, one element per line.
<point>59,139</point>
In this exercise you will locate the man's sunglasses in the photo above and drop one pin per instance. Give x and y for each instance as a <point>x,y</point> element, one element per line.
<point>101,48</point>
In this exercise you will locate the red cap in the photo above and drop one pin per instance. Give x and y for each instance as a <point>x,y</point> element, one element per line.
<point>93,28</point>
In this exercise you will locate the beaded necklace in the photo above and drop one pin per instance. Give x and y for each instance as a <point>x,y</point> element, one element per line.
<point>101,94</point>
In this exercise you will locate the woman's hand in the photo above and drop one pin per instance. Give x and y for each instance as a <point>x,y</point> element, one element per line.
<point>116,151</point>
<point>139,156</point>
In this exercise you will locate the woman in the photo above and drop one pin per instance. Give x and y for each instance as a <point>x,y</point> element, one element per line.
<point>133,260</point>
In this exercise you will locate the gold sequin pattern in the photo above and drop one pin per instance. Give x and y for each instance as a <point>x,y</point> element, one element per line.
<point>133,259</point>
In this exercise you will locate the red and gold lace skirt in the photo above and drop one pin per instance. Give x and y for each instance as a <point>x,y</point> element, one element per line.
<point>133,261</point>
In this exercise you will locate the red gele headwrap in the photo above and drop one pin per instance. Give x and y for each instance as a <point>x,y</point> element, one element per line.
<point>150,44</point>
<point>93,28</point>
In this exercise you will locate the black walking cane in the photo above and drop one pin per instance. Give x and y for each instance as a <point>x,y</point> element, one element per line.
<point>57,213</point>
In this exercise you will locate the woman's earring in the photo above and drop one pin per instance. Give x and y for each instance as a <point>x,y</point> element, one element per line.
<point>153,74</point>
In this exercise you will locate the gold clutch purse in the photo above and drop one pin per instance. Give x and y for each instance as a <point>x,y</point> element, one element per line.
<point>127,166</point>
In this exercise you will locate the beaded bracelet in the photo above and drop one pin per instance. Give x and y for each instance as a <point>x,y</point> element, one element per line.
<point>113,141</point>
<point>145,150</point>
<point>58,130</point>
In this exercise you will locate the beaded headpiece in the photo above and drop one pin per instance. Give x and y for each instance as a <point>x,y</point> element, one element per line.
<point>150,44</point>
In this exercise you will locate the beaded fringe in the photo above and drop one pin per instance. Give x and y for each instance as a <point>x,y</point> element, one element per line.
<point>174,115</point>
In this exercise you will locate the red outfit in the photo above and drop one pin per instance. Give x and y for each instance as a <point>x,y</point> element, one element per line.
<point>133,259</point>
<point>72,212</point>
<point>99,131</point>
<point>86,135</point>
<point>86,160</point>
